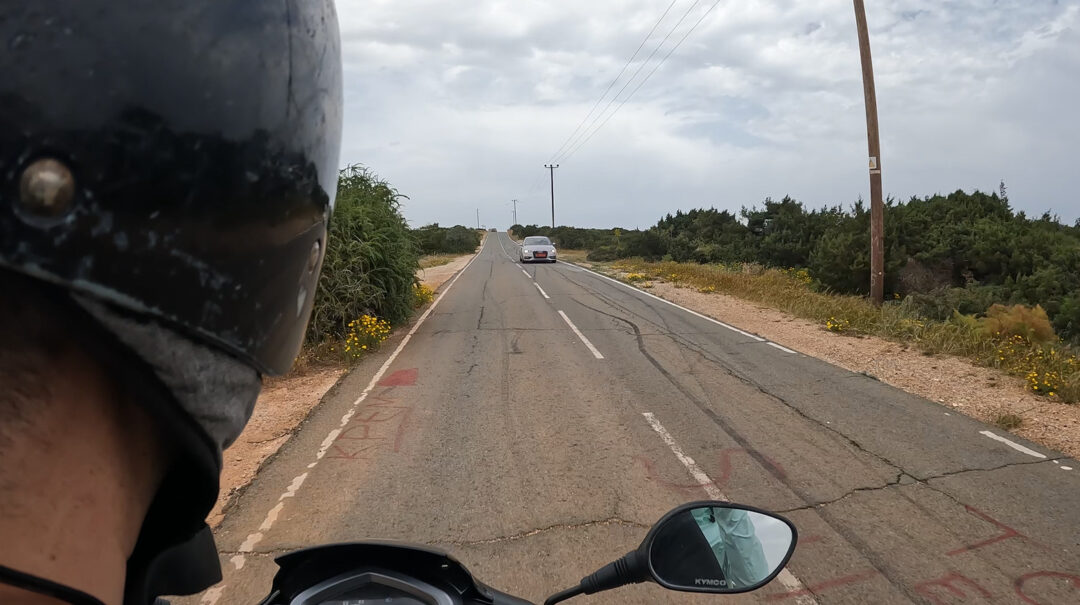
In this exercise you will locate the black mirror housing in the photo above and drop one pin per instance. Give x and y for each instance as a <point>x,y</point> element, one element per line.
<point>716,547</point>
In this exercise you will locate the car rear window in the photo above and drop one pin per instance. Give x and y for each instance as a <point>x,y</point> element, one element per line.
<point>537,241</point>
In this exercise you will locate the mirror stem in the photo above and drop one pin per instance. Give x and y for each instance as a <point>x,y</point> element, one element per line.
<point>629,569</point>
<point>626,570</point>
<point>559,597</point>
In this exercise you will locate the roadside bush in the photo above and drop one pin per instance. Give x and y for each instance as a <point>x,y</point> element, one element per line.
<point>602,254</point>
<point>371,259</point>
<point>422,295</point>
<point>365,334</point>
<point>458,239</point>
<point>942,303</point>
<point>1031,324</point>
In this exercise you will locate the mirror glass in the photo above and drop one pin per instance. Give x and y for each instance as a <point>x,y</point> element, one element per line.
<point>718,549</point>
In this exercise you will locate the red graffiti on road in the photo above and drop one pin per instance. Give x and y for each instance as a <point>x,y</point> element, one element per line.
<point>720,479</point>
<point>401,378</point>
<point>379,426</point>
<point>952,583</point>
<point>816,588</point>
<point>1007,532</point>
<point>1020,582</point>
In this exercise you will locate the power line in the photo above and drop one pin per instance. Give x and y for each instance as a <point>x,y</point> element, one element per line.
<point>642,83</point>
<point>636,72</point>
<point>612,84</point>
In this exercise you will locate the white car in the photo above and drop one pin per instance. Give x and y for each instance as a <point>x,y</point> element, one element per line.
<point>536,248</point>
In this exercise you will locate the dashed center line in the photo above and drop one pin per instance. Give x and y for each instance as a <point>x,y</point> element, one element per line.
<point>541,290</point>
<point>785,577</point>
<point>581,336</point>
<point>526,273</point>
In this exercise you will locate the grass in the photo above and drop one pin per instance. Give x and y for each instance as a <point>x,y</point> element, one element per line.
<point>436,260</point>
<point>1051,369</point>
<point>574,256</point>
<point>1008,422</point>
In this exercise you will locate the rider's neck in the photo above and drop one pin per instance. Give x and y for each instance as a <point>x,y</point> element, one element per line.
<point>81,464</point>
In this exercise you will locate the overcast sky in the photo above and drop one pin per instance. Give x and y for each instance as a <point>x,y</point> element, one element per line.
<point>460,104</point>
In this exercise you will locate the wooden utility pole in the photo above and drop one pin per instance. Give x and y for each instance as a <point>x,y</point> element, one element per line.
<point>551,168</point>
<point>877,208</point>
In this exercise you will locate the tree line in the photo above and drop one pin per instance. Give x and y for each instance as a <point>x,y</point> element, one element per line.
<point>957,252</point>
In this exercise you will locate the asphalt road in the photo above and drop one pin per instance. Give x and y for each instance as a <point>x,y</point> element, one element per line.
<point>539,419</point>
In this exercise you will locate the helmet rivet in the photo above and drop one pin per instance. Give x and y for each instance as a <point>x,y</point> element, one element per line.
<point>313,260</point>
<point>46,187</point>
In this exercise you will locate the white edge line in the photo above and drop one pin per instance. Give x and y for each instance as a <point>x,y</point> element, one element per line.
<point>541,290</point>
<point>678,306</point>
<point>272,515</point>
<point>781,347</point>
<point>581,336</point>
<point>1016,446</point>
<point>785,576</point>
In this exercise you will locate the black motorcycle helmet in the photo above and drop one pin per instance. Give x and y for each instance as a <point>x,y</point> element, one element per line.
<point>171,166</point>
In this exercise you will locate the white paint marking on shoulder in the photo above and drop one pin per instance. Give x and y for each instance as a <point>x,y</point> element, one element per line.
<point>1065,468</point>
<point>526,273</point>
<point>678,306</point>
<point>295,485</point>
<point>541,290</point>
<point>785,576</point>
<point>211,596</point>
<point>581,336</point>
<point>249,543</point>
<point>781,347</point>
<point>272,515</point>
<point>1016,446</point>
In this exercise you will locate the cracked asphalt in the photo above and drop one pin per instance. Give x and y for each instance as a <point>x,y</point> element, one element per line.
<point>496,434</point>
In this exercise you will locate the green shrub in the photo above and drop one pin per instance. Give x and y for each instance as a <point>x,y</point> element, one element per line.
<point>1029,323</point>
<point>942,303</point>
<point>458,239</point>
<point>371,258</point>
<point>602,254</point>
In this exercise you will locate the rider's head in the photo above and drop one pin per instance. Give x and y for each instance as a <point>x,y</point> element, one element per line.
<point>167,171</point>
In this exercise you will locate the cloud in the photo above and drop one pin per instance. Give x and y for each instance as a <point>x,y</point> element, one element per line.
<point>459,105</point>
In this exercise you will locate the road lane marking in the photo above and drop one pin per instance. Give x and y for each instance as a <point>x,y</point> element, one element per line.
<point>678,306</point>
<point>781,347</point>
<point>254,538</point>
<point>526,273</point>
<point>691,466</point>
<point>588,344</point>
<point>541,290</point>
<point>1016,446</point>
<point>504,249</point>
<point>785,577</point>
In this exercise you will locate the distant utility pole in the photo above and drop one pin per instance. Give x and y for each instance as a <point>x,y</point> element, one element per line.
<point>551,168</point>
<point>477,218</point>
<point>877,208</point>
<point>515,211</point>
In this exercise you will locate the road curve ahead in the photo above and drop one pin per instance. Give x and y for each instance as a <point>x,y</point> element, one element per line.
<point>538,419</point>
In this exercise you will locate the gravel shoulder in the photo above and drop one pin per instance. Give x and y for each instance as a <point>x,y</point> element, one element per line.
<point>981,393</point>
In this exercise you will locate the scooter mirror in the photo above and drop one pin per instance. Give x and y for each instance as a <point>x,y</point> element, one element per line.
<point>718,547</point>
